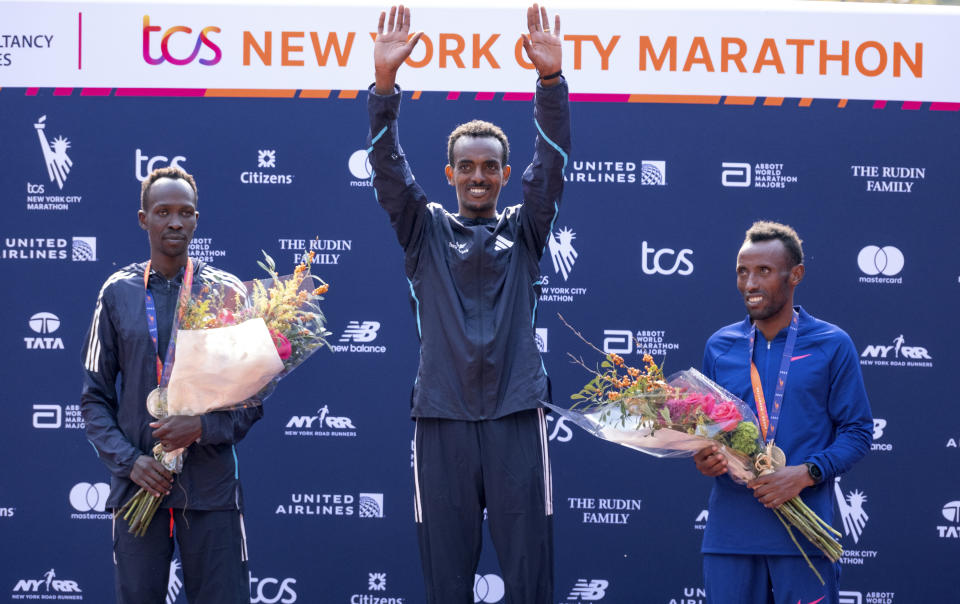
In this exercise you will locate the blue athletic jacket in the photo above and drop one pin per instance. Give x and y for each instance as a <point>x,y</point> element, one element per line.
<point>825,419</point>
<point>474,284</point>
<point>120,369</point>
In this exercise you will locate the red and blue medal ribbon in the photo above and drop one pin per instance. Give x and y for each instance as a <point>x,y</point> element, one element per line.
<point>163,368</point>
<point>768,423</point>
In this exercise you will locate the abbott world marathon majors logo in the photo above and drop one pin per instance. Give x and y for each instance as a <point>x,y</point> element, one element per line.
<point>266,160</point>
<point>881,264</point>
<point>362,505</point>
<point>205,250</point>
<point>951,513</point>
<point>357,337</point>
<point>600,510</point>
<point>56,159</point>
<point>641,341</point>
<point>871,597</point>
<point>889,179</point>
<point>47,587</point>
<point>54,416</point>
<point>90,501</point>
<point>360,168</point>
<point>377,592</point>
<point>323,423</point>
<point>563,259</point>
<point>757,175</point>
<point>854,515</point>
<point>77,249</point>
<point>608,172</point>
<point>43,325</point>
<point>896,354</point>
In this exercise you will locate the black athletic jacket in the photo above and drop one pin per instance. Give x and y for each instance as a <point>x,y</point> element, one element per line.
<point>120,369</point>
<point>474,284</point>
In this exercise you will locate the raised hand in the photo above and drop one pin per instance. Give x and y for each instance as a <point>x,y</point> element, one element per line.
<point>543,47</point>
<point>391,48</point>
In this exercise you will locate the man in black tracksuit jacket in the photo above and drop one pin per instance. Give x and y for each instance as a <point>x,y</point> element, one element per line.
<point>204,502</point>
<point>480,436</point>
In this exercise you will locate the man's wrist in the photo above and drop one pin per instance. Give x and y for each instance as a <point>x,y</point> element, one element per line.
<point>814,471</point>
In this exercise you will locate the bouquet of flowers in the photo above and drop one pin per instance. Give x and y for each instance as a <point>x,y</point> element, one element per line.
<point>233,342</point>
<point>680,415</point>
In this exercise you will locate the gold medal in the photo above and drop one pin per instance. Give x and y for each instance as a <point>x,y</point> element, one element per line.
<point>777,456</point>
<point>155,405</point>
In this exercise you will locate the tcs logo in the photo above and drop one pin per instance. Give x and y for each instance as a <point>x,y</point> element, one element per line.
<point>202,40</point>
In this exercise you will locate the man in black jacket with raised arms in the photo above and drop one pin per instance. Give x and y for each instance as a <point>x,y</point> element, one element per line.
<point>480,437</point>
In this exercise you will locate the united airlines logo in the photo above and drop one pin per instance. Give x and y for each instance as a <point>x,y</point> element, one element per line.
<point>653,172</point>
<point>502,243</point>
<point>370,505</point>
<point>851,511</point>
<point>562,251</point>
<point>54,154</point>
<point>84,249</point>
<point>588,591</point>
<point>540,337</point>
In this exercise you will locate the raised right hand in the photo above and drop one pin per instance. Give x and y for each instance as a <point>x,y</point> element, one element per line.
<point>710,461</point>
<point>149,474</point>
<point>391,48</point>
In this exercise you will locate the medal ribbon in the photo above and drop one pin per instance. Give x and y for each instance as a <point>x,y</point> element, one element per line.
<point>164,367</point>
<point>768,425</point>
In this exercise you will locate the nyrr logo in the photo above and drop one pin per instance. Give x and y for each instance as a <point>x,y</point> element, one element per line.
<point>488,589</point>
<point>43,323</point>
<point>540,337</point>
<point>272,591</point>
<point>562,252</point>
<point>151,163</point>
<point>653,172</point>
<point>881,264</point>
<point>321,424</point>
<point>903,356</point>
<point>851,511</point>
<point>658,262</point>
<point>165,51</point>
<point>879,425</point>
<point>951,512</point>
<point>360,168</point>
<point>54,156</point>
<point>88,498</point>
<point>49,584</point>
<point>266,159</point>
<point>360,332</point>
<point>588,591</point>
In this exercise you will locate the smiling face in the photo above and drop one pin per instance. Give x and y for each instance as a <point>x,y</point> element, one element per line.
<point>766,281</point>
<point>169,217</point>
<point>478,174</point>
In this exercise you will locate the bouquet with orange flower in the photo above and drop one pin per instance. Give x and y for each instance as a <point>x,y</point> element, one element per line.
<point>232,343</point>
<point>679,415</point>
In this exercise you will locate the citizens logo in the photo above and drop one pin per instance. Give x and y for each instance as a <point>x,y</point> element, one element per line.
<point>90,501</point>
<point>321,424</point>
<point>642,341</point>
<point>145,164</point>
<point>360,168</point>
<point>896,354</point>
<point>950,512</point>
<point>43,324</point>
<point>376,582</point>
<point>363,505</point>
<point>488,589</point>
<point>606,172</point>
<point>48,587</point>
<point>325,251</point>
<point>7,512</point>
<point>604,510</point>
<point>178,52</point>
<point>879,425</point>
<point>765,175</point>
<point>356,338</point>
<point>268,590</point>
<point>541,338</point>
<point>665,261</point>
<point>266,159</point>
<point>588,590</point>
<point>79,249</point>
<point>881,264</point>
<point>889,179</point>
<point>562,252</point>
<point>653,172</point>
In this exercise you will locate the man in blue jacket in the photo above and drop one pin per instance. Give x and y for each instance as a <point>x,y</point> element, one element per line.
<point>480,437</point>
<point>820,417</point>
<point>127,346</point>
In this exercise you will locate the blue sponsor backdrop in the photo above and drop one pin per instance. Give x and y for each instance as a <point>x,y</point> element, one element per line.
<point>654,211</point>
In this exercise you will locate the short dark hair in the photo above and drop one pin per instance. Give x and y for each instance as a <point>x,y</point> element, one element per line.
<point>479,129</point>
<point>764,230</point>
<point>174,172</point>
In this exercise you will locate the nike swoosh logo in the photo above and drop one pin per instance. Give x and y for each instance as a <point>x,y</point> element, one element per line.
<point>818,599</point>
<point>803,356</point>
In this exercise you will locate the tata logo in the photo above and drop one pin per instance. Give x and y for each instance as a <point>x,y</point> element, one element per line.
<point>156,161</point>
<point>43,324</point>
<point>165,54</point>
<point>951,511</point>
<point>665,261</point>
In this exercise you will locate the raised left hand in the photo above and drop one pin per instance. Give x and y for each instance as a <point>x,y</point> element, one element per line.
<point>543,47</point>
<point>177,431</point>
<point>776,488</point>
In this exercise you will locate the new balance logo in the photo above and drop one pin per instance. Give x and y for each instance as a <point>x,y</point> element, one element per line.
<point>588,591</point>
<point>360,332</point>
<point>502,243</point>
